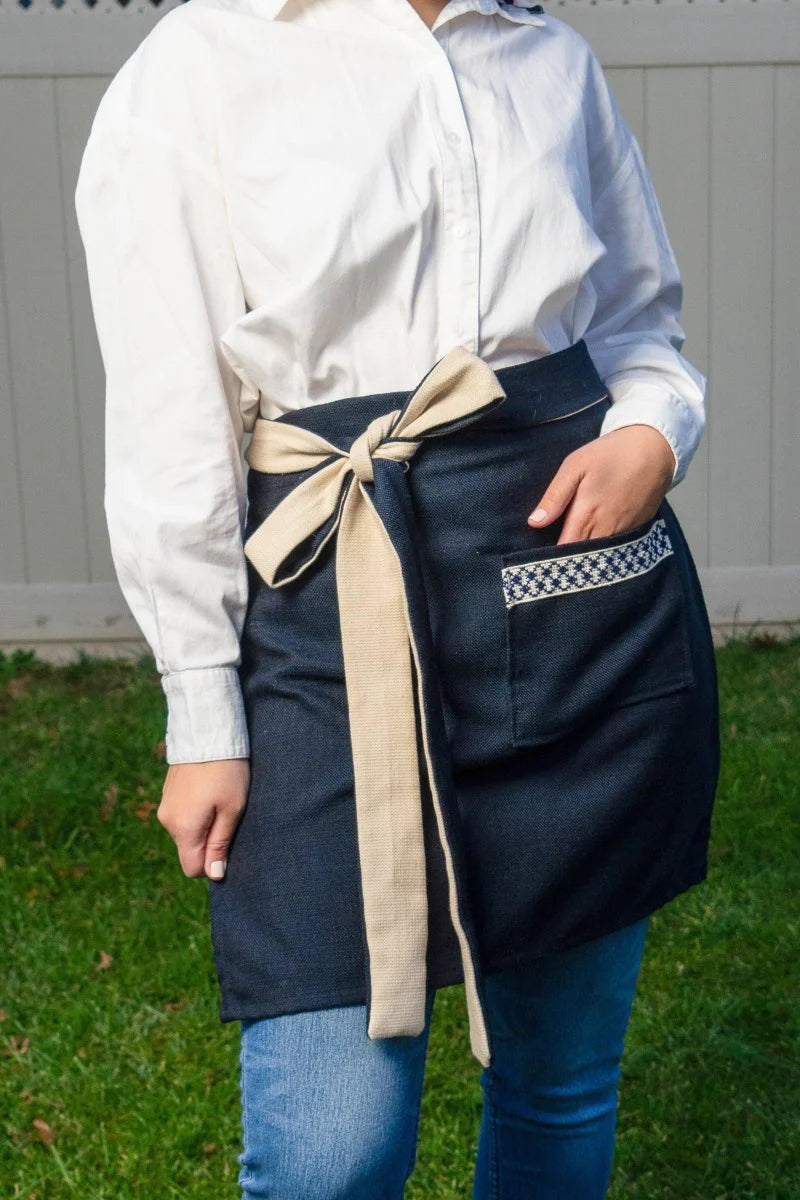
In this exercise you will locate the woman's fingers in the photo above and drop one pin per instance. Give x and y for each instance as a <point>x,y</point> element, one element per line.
<point>560,491</point>
<point>610,484</point>
<point>201,806</point>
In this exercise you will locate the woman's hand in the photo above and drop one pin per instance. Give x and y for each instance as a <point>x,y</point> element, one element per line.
<point>201,805</point>
<point>612,483</point>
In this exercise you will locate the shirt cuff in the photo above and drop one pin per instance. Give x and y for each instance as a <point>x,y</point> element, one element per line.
<point>639,403</point>
<point>205,715</point>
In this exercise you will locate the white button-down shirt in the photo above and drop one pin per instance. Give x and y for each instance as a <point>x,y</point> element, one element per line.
<point>286,204</point>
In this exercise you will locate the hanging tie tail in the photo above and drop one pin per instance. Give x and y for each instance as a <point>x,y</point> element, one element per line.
<point>393,502</point>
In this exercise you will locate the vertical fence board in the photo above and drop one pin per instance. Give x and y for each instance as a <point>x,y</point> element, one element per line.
<point>741,337</point>
<point>11,520</point>
<point>77,101</point>
<point>785,500</point>
<point>42,373</point>
<point>677,113</point>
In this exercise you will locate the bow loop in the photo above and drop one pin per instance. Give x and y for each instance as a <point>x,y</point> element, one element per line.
<point>314,503</point>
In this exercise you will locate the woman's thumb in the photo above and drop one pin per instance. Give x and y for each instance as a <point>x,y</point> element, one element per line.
<point>217,842</point>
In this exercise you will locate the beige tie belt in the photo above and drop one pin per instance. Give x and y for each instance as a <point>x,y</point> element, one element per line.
<point>377,644</point>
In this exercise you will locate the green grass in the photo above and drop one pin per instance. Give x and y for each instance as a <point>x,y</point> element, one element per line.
<point>117,1079</point>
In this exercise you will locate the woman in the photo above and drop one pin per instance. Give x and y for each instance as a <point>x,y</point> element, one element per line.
<point>442,701</point>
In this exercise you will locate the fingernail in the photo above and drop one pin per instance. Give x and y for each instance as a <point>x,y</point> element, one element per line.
<point>217,869</point>
<point>538,514</point>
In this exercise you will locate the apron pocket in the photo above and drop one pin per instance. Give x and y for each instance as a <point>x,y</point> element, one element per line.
<point>592,625</point>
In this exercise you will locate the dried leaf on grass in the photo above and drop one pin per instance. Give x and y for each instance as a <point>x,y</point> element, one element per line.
<point>111,795</point>
<point>44,1130</point>
<point>19,686</point>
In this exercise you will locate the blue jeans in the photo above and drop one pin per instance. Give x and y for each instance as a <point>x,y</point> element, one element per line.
<point>329,1114</point>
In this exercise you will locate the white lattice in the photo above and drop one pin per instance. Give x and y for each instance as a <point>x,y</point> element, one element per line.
<point>88,7</point>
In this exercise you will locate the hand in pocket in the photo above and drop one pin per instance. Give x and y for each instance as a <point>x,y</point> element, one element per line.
<point>612,483</point>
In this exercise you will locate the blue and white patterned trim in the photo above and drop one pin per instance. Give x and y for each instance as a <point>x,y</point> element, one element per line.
<point>587,569</point>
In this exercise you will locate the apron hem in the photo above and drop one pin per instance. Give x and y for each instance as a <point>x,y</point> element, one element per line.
<point>454,975</point>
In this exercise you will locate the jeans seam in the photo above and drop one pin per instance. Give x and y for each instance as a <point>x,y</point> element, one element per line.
<point>414,1137</point>
<point>494,1161</point>
<point>245,1176</point>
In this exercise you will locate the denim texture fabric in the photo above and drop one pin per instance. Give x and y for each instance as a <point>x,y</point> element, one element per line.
<point>572,704</point>
<point>329,1114</point>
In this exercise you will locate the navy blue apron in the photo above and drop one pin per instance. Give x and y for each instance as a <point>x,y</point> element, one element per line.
<point>573,704</point>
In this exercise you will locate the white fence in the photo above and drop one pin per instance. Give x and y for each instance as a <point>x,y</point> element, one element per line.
<point>712,90</point>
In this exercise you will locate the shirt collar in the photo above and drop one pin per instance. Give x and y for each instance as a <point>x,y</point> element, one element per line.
<point>507,8</point>
<point>512,10</point>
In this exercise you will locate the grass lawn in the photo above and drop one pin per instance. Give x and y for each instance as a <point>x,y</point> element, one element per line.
<point>117,1079</point>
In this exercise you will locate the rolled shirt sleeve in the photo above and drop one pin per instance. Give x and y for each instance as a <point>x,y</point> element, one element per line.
<point>164,285</point>
<point>635,337</point>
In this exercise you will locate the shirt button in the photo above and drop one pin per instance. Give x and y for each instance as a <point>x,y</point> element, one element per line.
<point>453,137</point>
<point>461,229</point>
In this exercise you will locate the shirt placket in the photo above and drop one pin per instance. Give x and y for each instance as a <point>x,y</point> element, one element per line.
<point>460,233</point>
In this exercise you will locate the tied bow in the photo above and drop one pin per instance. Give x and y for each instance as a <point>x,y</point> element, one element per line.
<point>377,644</point>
